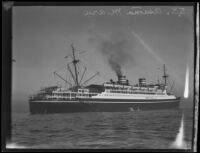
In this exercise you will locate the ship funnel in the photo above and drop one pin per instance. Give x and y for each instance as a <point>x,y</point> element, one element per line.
<point>142,82</point>
<point>122,80</point>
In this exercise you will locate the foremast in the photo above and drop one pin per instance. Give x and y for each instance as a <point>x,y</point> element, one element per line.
<point>75,62</point>
<point>75,74</point>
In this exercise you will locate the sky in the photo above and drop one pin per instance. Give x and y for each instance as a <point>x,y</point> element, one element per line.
<point>138,39</point>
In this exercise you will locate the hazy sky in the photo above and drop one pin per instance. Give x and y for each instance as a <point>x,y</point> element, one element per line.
<point>148,37</point>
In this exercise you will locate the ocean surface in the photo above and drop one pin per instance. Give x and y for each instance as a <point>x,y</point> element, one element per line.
<point>121,130</point>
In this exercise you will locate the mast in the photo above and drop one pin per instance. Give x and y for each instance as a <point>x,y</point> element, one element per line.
<point>165,75</point>
<point>75,61</point>
<point>69,69</point>
<point>74,75</point>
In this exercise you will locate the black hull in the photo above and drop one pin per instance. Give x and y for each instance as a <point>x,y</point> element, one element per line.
<point>106,106</point>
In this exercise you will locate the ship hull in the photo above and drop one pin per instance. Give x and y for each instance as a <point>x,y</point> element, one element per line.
<point>44,107</point>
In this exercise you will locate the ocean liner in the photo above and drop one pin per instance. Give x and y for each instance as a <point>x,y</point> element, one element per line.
<point>112,96</point>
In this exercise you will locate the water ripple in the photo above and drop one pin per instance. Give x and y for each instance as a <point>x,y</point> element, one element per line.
<point>134,130</point>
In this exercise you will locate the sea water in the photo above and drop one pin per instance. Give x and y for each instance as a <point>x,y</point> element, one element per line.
<point>103,130</point>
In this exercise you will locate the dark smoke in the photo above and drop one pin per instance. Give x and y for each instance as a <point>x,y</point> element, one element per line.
<point>116,67</point>
<point>115,45</point>
<point>116,51</point>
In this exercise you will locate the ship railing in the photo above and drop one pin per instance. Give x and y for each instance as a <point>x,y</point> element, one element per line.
<point>62,95</point>
<point>58,98</point>
<point>121,87</point>
<point>86,95</point>
<point>70,96</point>
<point>130,91</point>
<point>122,94</point>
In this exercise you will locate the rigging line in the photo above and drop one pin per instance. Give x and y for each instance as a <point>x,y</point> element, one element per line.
<point>85,65</point>
<point>63,67</point>
<point>59,69</point>
<point>70,81</point>
<point>83,74</point>
<point>100,74</point>
<point>91,78</point>
<point>61,77</point>
<point>93,69</point>
<point>80,52</point>
<point>171,85</point>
